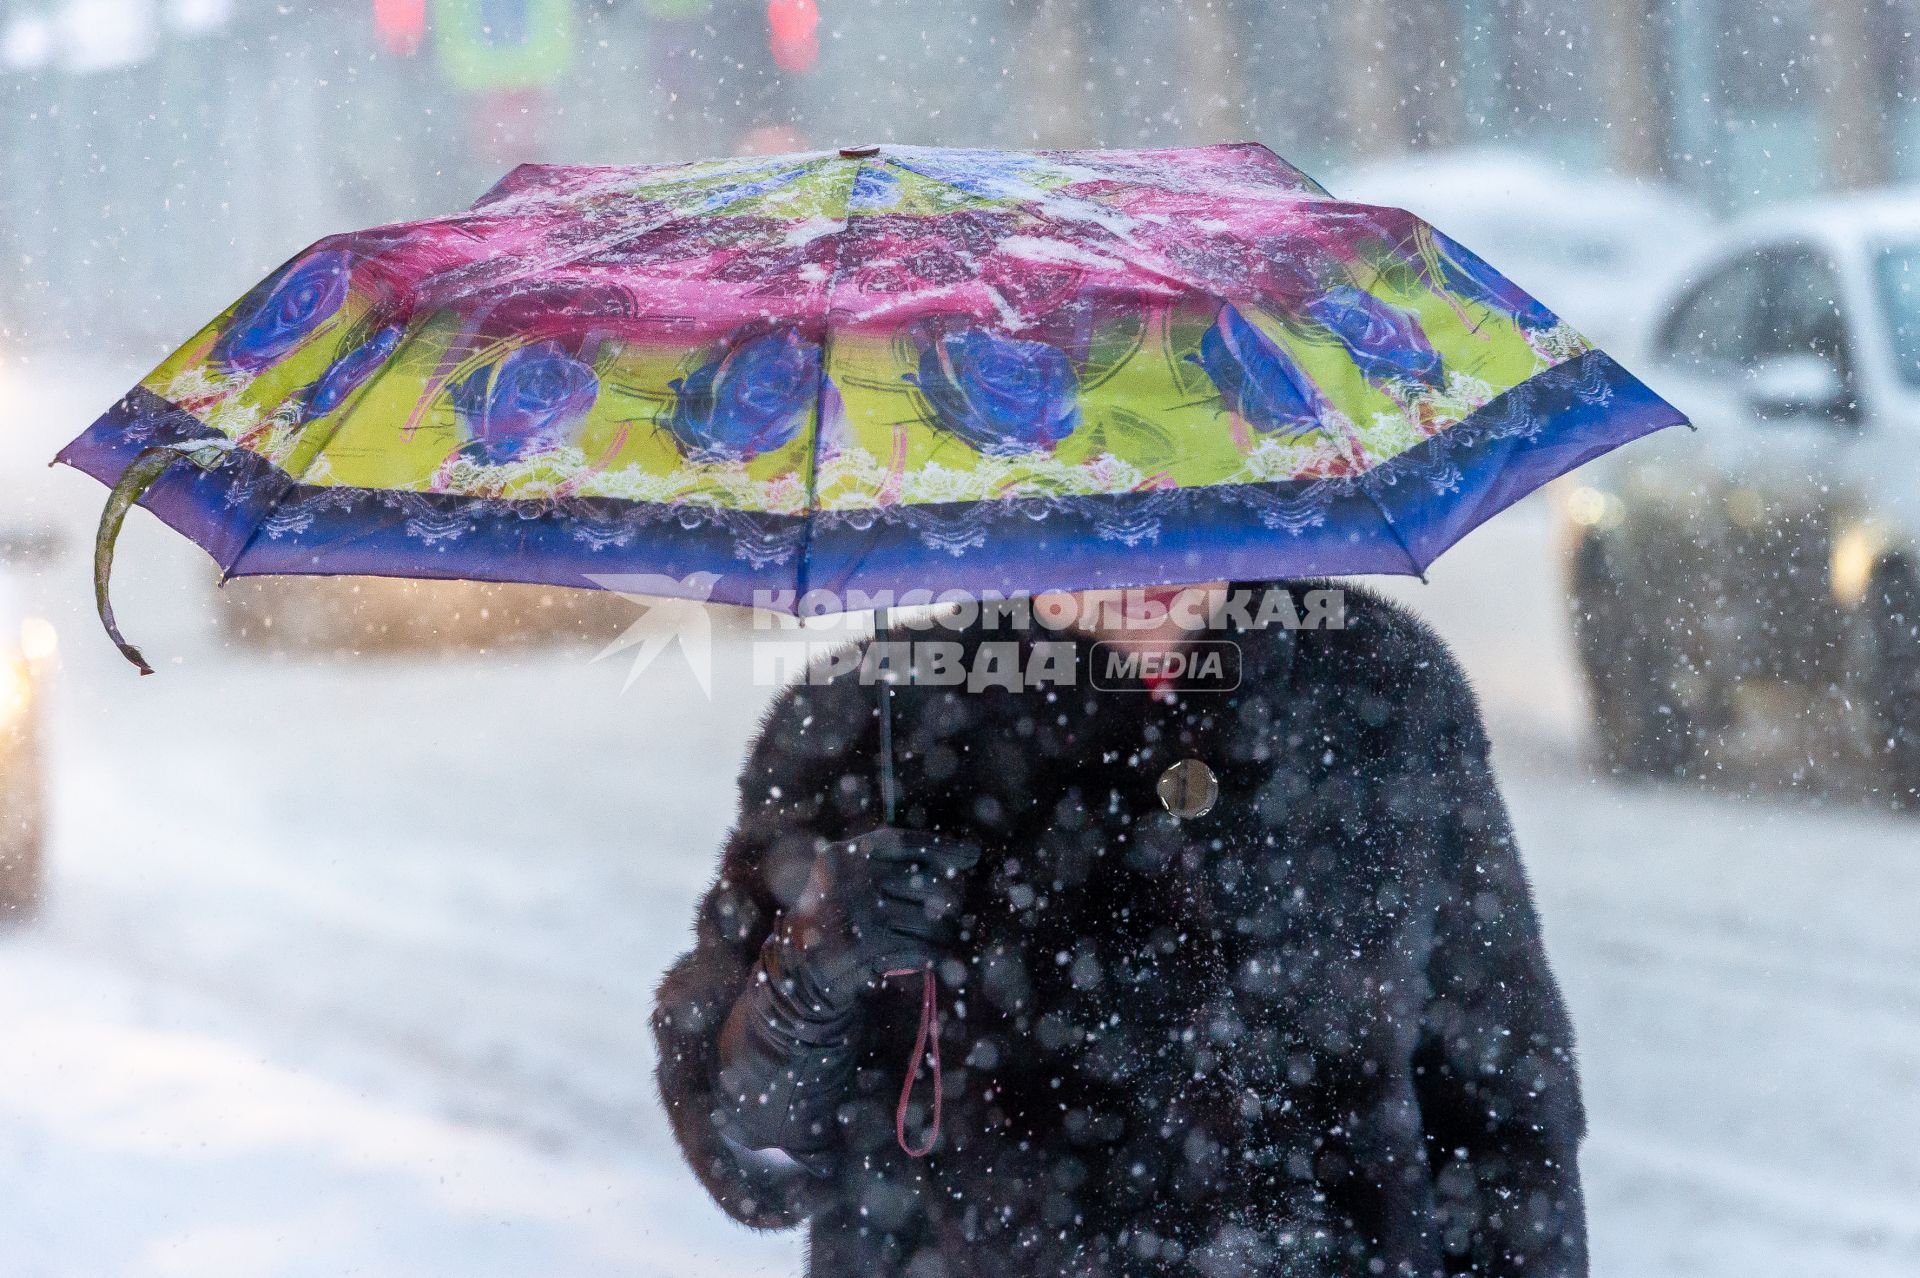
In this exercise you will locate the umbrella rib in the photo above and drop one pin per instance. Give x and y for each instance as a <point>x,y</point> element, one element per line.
<point>1393,530</point>
<point>292,480</point>
<point>810,508</point>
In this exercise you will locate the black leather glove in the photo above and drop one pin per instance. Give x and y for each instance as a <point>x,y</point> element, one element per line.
<point>886,900</point>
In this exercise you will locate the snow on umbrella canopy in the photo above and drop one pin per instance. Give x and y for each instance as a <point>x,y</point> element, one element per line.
<point>880,370</point>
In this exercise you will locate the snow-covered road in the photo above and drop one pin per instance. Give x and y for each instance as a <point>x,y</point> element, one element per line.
<point>346,964</point>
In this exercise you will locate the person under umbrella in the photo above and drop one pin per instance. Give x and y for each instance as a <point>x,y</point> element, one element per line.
<point>1307,1028</point>
<point>1239,979</point>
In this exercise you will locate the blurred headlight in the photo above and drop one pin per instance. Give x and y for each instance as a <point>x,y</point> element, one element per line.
<point>38,639</point>
<point>1587,506</point>
<point>1593,508</point>
<point>16,687</point>
<point>1855,553</point>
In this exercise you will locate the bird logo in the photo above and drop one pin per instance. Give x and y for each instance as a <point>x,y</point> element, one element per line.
<point>674,613</point>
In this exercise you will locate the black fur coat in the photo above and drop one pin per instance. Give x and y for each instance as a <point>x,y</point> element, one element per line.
<point>1312,1032</point>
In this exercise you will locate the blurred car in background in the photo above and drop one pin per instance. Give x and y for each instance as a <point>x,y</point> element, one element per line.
<point>27,646</point>
<point>384,614</point>
<point>1778,548</point>
<point>1587,244</point>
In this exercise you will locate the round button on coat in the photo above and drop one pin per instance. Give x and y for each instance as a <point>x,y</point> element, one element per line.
<point>1188,788</point>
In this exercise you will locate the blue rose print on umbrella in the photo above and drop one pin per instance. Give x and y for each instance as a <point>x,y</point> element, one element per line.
<point>523,405</point>
<point>1465,273</point>
<point>749,400</point>
<point>1001,395</point>
<point>1256,378</point>
<point>874,188</point>
<point>1385,341</point>
<point>303,299</point>
<point>348,372</point>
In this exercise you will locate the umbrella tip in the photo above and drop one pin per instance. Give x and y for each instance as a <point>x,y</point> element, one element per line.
<point>859,152</point>
<point>132,654</point>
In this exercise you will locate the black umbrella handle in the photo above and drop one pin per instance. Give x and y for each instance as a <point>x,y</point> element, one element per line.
<point>889,787</point>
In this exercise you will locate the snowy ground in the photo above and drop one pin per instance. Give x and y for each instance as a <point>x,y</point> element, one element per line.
<point>346,964</point>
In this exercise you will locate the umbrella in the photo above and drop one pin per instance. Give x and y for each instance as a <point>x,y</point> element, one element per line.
<point>849,374</point>
<point>866,370</point>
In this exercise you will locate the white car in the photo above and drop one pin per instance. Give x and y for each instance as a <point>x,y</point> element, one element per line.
<point>1586,243</point>
<point>26,649</point>
<point>1778,548</point>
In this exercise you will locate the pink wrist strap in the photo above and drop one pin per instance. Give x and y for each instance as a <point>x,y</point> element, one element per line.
<point>926,1045</point>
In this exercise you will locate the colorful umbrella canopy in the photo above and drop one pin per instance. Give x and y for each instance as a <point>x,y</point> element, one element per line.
<point>873,370</point>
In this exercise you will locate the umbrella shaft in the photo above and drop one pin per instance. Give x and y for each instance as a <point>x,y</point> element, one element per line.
<point>889,792</point>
